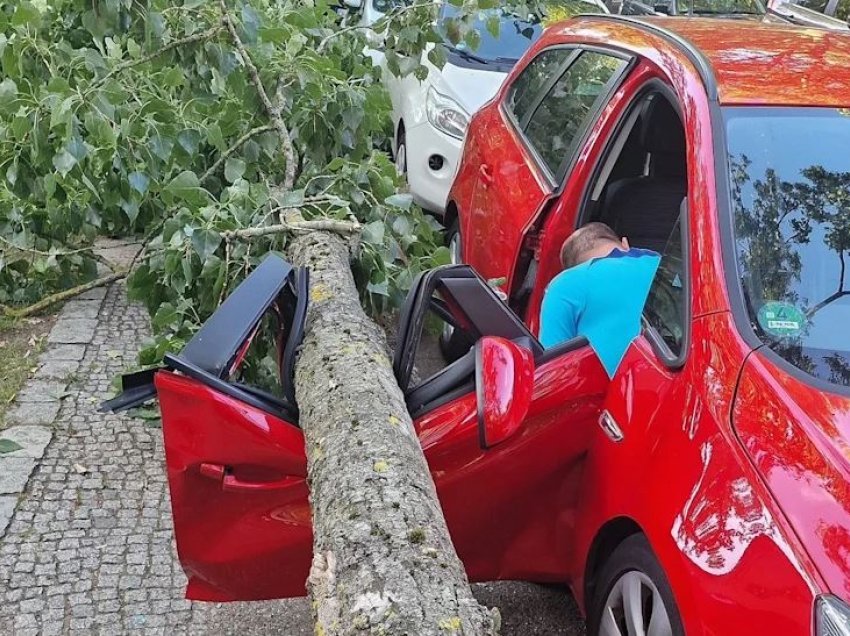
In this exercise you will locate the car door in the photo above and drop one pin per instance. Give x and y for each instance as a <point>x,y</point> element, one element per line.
<point>508,507</point>
<point>234,454</point>
<point>526,143</point>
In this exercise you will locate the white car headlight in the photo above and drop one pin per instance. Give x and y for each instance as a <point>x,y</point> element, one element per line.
<point>832,617</point>
<point>445,114</point>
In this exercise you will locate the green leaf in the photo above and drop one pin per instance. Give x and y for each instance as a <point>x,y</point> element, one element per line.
<point>373,233</point>
<point>234,168</point>
<point>8,446</point>
<point>26,15</point>
<point>189,141</point>
<point>205,242</point>
<point>186,187</point>
<point>8,92</point>
<point>139,181</point>
<point>291,199</point>
<point>403,201</point>
<point>64,161</point>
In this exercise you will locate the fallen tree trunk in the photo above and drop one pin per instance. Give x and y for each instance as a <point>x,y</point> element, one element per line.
<point>383,561</point>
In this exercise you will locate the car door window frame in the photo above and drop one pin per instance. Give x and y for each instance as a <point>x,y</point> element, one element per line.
<point>660,348</point>
<point>556,181</point>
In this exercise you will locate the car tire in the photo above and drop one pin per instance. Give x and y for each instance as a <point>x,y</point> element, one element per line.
<point>632,588</point>
<point>453,343</point>
<point>401,153</point>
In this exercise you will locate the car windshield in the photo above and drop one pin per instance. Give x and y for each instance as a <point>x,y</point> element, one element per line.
<point>789,172</point>
<point>514,35</point>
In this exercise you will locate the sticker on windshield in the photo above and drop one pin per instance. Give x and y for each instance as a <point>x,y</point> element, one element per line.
<point>781,320</point>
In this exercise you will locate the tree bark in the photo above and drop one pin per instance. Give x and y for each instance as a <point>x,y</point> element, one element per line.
<point>383,561</point>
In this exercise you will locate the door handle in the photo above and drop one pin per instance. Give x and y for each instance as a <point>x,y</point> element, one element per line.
<point>486,174</point>
<point>231,483</point>
<point>610,426</point>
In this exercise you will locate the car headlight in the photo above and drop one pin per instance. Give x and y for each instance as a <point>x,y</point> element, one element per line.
<point>832,617</point>
<point>445,114</point>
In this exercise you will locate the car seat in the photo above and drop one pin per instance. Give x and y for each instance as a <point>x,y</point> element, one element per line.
<point>644,208</point>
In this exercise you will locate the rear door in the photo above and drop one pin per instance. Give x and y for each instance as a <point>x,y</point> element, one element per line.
<point>526,146</point>
<point>234,453</point>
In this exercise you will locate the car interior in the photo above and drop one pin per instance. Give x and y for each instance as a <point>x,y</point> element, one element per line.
<point>642,182</point>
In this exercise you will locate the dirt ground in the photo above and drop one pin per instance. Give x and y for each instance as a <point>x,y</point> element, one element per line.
<point>20,343</point>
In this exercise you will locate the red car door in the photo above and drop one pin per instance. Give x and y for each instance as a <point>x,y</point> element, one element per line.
<point>525,143</point>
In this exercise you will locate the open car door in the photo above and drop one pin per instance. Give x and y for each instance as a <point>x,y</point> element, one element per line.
<point>504,430</point>
<point>234,453</point>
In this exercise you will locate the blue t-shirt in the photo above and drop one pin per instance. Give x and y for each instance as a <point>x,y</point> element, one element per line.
<point>601,299</point>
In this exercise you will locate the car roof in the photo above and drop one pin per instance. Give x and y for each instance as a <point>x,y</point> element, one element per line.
<point>752,63</point>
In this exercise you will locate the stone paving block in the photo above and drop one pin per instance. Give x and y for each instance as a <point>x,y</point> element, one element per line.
<point>32,439</point>
<point>7,509</point>
<point>63,352</point>
<point>14,473</point>
<point>72,331</point>
<point>42,391</point>
<point>80,309</point>
<point>98,293</point>
<point>34,413</point>
<point>57,369</point>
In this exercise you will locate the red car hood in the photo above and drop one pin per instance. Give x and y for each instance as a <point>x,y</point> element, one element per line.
<point>798,436</point>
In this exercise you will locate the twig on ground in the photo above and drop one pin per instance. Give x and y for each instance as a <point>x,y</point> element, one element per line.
<point>58,297</point>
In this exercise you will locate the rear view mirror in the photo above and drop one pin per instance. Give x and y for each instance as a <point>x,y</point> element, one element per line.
<point>504,379</point>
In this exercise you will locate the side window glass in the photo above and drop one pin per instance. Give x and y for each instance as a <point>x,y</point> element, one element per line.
<point>842,10</point>
<point>558,119</point>
<point>665,306</point>
<point>814,5</point>
<point>530,82</point>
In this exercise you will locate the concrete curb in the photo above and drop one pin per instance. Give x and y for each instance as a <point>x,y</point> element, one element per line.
<point>39,402</point>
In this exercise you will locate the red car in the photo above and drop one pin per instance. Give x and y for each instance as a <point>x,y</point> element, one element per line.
<point>719,483</point>
<point>704,489</point>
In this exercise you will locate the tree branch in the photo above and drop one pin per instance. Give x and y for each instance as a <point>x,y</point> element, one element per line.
<point>319,225</point>
<point>272,110</point>
<point>236,145</point>
<point>44,303</point>
<point>190,39</point>
<point>389,17</point>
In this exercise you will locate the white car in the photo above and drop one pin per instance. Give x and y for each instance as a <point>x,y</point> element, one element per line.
<point>430,116</point>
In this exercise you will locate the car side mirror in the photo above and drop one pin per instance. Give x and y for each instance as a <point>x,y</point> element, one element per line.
<point>504,380</point>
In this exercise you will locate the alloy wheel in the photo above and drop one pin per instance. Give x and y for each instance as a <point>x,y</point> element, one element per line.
<point>634,607</point>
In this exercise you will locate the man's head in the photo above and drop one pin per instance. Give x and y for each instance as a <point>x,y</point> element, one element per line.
<point>592,240</point>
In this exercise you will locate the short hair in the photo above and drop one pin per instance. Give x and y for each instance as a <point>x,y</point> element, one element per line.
<point>583,240</point>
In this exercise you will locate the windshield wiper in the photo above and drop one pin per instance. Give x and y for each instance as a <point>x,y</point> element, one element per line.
<point>466,54</point>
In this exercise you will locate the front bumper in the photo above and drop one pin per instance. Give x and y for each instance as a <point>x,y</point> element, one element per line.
<point>430,186</point>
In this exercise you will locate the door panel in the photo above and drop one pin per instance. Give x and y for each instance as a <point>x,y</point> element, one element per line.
<point>509,508</point>
<point>237,477</point>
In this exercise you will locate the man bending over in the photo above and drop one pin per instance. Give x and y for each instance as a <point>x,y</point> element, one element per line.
<point>600,294</point>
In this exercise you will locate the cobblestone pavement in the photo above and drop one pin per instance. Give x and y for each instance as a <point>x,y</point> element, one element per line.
<point>89,546</point>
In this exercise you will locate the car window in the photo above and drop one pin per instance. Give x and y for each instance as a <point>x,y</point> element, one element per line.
<point>814,5</point>
<point>842,10</point>
<point>665,311</point>
<point>527,86</point>
<point>558,119</point>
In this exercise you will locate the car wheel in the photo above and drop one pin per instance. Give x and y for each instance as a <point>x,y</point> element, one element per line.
<point>401,154</point>
<point>633,596</point>
<point>453,344</point>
